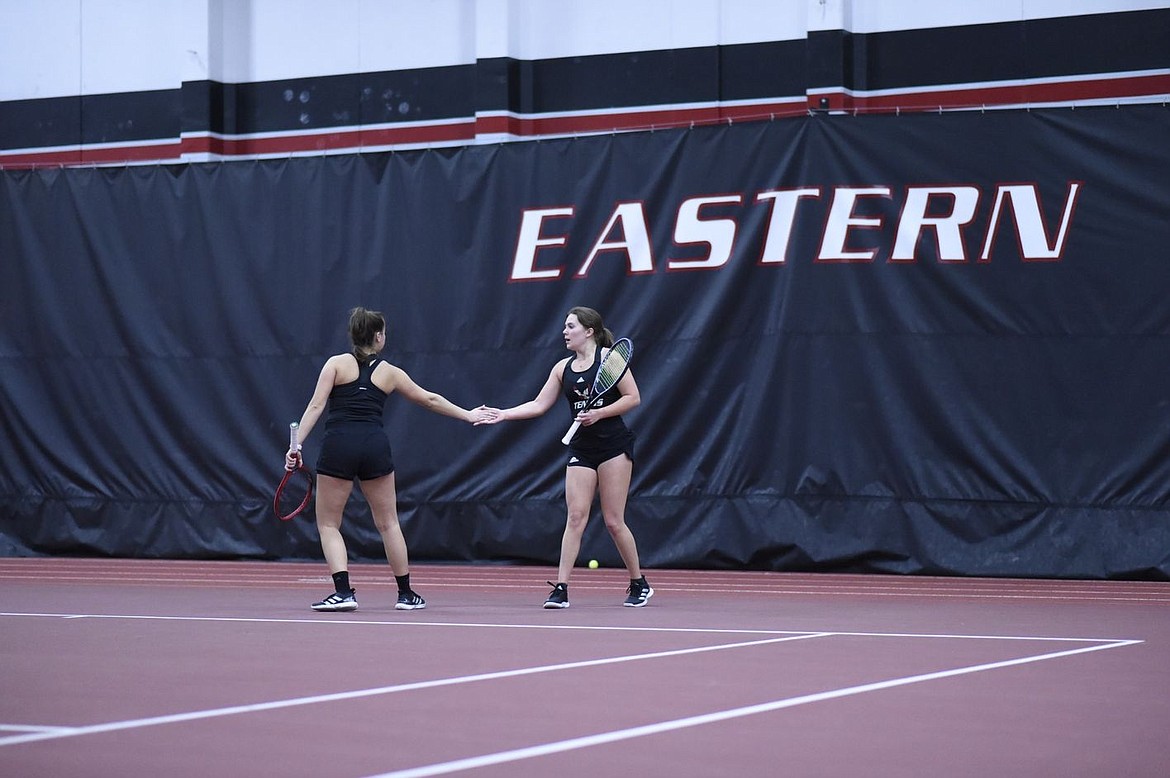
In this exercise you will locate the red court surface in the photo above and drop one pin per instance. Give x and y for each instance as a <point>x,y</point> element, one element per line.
<point>135,668</point>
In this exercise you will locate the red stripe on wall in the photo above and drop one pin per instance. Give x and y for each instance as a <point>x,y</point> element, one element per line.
<point>466,131</point>
<point>995,96</point>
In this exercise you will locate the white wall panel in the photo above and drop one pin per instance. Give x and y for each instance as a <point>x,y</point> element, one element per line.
<point>1047,9</point>
<point>40,49</point>
<point>58,48</point>
<point>758,21</point>
<point>547,30</point>
<point>130,45</point>
<point>52,48</point>
<point>268,40</point>
<point>272,40</point>
<point>404,35</point>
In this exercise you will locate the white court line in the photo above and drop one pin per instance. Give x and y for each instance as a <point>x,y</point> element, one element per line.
<point>228,574</point>
<point>359,693</point>
<point>786,635</point>
<point>333,621</point>
<point>30,728</point>
<point>572,744</point>
<point>786,589</point>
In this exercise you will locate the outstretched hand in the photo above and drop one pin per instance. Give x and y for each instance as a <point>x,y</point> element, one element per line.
<point>485,415</point>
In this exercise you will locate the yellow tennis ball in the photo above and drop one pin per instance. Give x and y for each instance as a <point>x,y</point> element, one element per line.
<point>593,564</point>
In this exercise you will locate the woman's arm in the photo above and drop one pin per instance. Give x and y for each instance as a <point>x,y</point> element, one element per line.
<point>539,405</point>
<point>320,397</point>
<point>397,380</point>
<point>631,398</point>
<point>315,407</point>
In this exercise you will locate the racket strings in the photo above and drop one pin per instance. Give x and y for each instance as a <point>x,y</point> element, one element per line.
<point>613,366</point>
<point>610,371</point>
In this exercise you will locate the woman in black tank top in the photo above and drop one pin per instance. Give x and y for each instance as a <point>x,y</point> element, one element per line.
<point>601,454</point>
<point>355,386</point>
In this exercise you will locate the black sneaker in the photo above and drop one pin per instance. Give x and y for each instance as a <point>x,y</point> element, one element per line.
<point>558,597</point>
<point>337,602</point>
<point>639,593</point>
<point>409,601</point>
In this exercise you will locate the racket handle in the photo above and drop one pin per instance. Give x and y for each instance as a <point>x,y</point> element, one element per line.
<point>572,431</point>
<point>294,436</point>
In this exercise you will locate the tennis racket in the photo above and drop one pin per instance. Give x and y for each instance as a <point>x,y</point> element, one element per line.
<point>613,367</point>
<point>296,488</point>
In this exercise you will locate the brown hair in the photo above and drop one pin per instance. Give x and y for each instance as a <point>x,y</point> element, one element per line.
<point>591,320</point>
<point>363,327</point>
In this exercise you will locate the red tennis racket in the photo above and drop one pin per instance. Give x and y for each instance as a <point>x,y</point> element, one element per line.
<point>296,488</point>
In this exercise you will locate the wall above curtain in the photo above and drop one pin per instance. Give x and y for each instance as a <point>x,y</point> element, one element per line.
<point>145,81</point>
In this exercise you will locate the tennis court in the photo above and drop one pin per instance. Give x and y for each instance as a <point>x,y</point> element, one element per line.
<point>130,667</point>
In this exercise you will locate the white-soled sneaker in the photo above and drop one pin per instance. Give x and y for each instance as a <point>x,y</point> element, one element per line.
<point>337,602</point>
<point>409,601</point>
<point>639,593</point>
<point>558,597</point>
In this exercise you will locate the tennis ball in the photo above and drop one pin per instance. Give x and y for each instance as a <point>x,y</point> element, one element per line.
<point>593,564</point>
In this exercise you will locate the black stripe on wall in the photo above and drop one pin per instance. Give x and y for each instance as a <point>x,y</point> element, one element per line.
<point>52,121</point>
<point>697,75</point>
<point>117,118</point>
<point>1068,46</point>
<point>700,75</point>
<point>1074,45</point>
<point>112,118</point>
<point>427,94</point>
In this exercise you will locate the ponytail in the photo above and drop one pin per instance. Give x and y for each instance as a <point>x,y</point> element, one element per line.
<point>363,328</point>
<point>591,320</point>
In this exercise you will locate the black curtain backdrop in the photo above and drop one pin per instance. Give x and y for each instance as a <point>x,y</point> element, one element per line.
<point>1007,415</point>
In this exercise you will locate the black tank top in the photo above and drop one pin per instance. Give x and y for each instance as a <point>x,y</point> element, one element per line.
<point>577,388</point>
<point>359,401</point>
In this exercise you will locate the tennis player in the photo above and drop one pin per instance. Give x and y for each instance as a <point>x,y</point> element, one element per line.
<point>601,454</point>
<point>355,387</point>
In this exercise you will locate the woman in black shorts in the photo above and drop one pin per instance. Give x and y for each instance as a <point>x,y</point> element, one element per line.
<point>601,454</point>
<point>355,387</point>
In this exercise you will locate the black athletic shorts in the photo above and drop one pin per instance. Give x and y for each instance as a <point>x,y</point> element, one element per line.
<point>594,450</point>
<point>362,453</point>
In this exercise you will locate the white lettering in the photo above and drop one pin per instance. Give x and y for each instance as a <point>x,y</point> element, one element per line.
<point>1029,219</point>
<point>841,219</point>
<point>946,228</point>
<point>924,215</point>
<point>779,231</point>
<point>718,234</point>
<point>635,240</point>
<point>529,242</point>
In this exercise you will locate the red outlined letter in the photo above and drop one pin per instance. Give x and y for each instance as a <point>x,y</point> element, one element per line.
<point>841,219</point>
<point>529,242</point>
